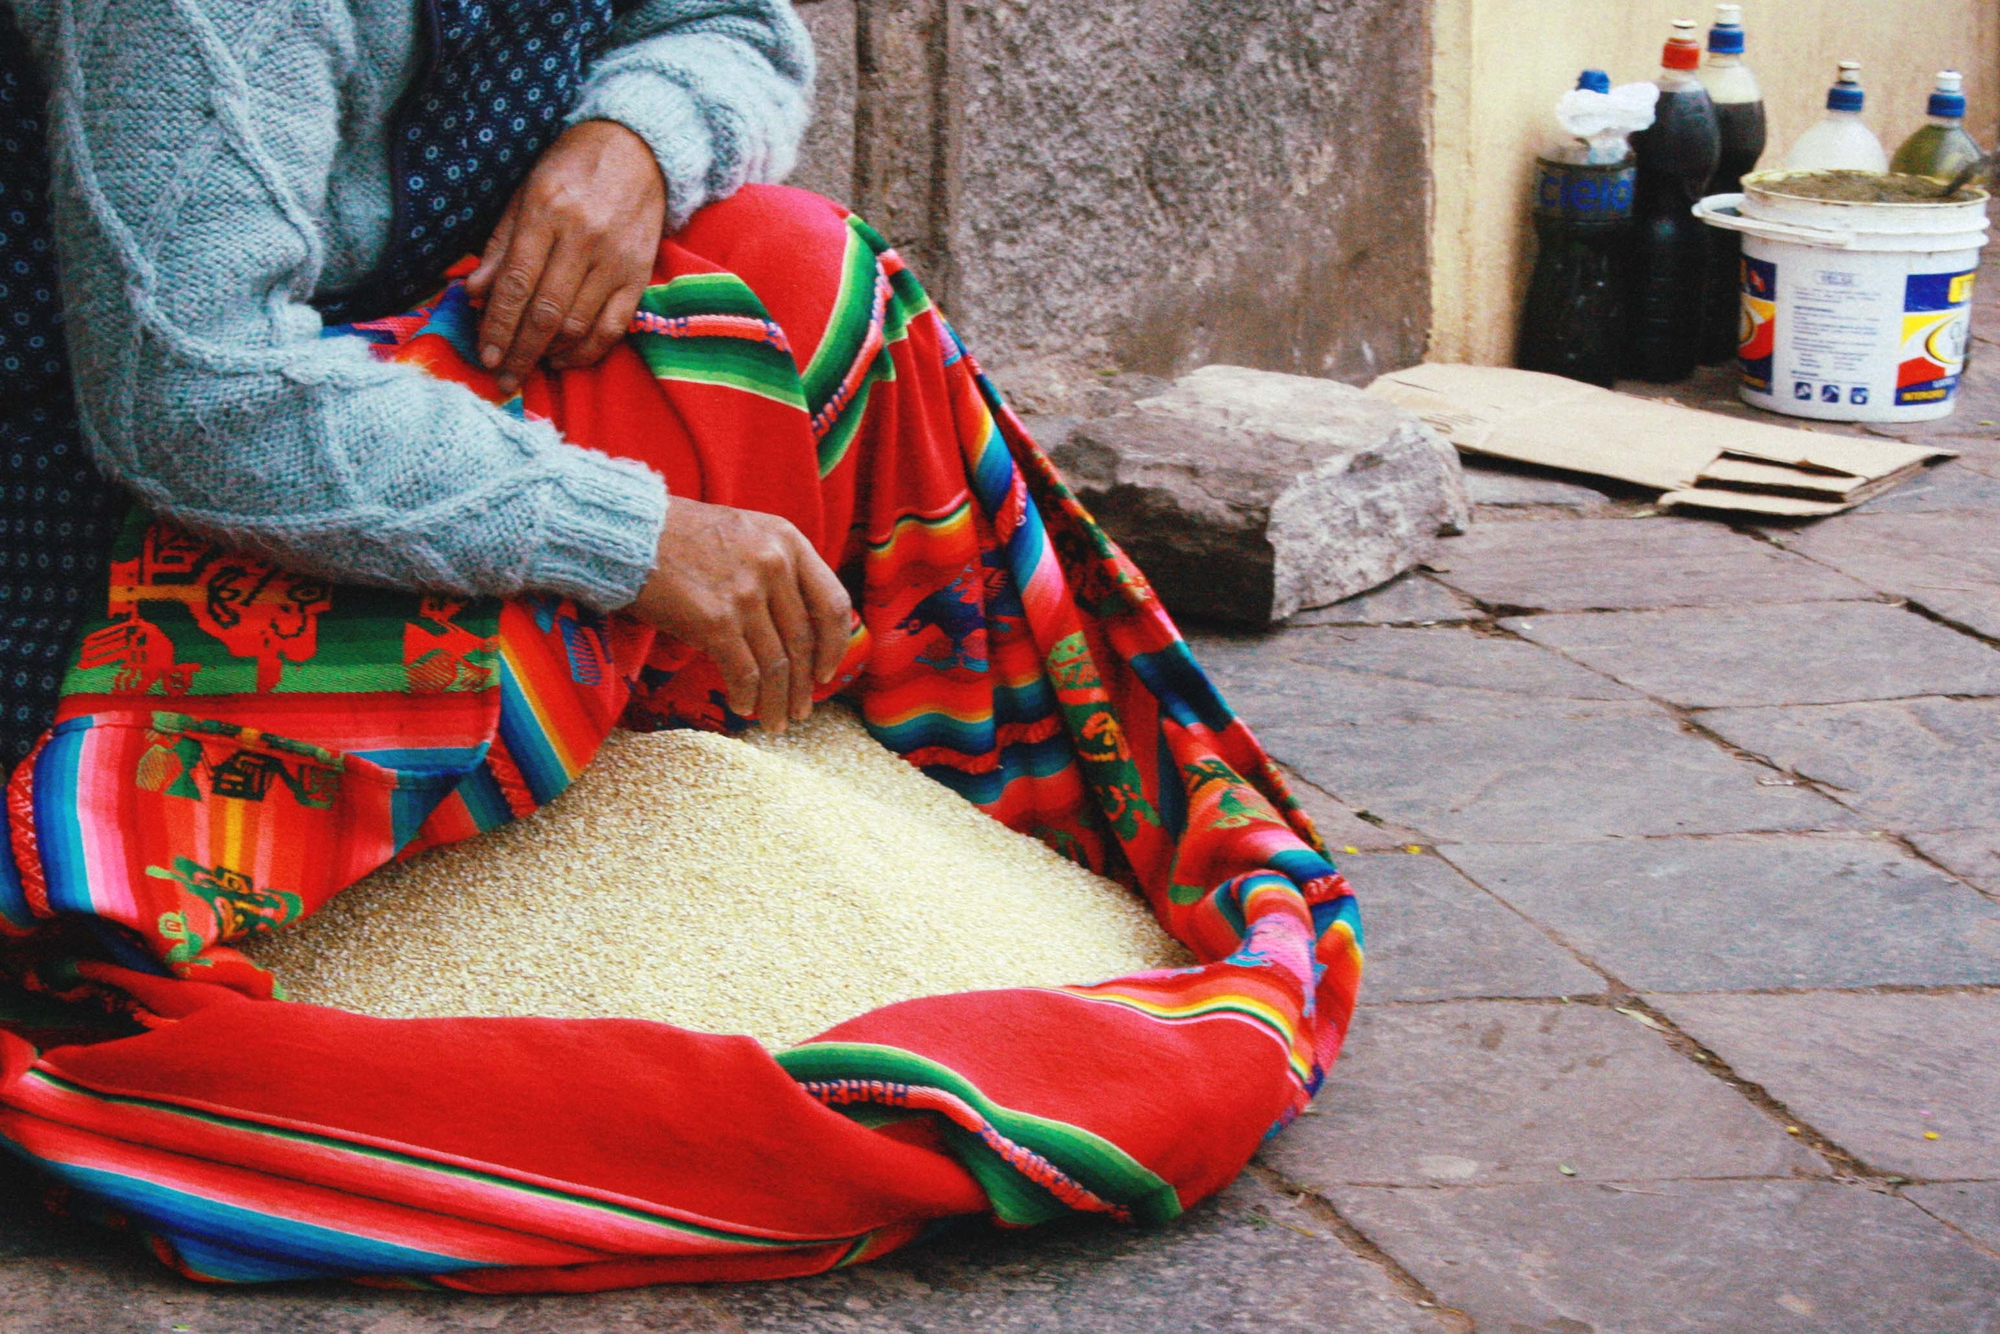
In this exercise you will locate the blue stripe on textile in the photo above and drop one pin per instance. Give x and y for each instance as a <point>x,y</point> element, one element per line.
<point>1344,909</point>
<point>14,909</point>
<point>522,734</point>
<point>306,1249</point>
<point>484,800</point>
<point>58,831</point>
<point>1301,866</point>
<point>451,760</point>
<point>1184,691</point>
<point>1173,790</point>
<point>1036,759</point>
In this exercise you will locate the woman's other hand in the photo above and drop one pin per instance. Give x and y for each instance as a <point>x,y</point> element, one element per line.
<point>749,590</point>
<point>571,256</point>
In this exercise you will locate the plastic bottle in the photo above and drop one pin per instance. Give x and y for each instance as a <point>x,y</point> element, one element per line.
<point>1573,322</point>
<point>1840,142</point>
<point>1677,160</point>
<point>1941,148</point>
<point>1739,116</point>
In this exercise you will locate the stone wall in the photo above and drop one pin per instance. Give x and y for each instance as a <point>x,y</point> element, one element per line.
<point>1147,184</point>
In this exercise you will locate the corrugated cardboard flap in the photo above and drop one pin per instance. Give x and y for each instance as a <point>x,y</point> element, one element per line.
<point>1697,458</point>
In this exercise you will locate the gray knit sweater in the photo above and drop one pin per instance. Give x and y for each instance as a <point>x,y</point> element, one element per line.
<point>219,161</point>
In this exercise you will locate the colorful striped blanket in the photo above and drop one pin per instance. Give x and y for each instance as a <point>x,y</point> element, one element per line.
<point>237,744</point>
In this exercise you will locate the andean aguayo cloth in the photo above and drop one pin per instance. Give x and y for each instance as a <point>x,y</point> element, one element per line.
<point>236,744</point>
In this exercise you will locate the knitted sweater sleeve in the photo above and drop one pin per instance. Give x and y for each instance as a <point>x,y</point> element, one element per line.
<point>192,144</point>
<point>720,90</point>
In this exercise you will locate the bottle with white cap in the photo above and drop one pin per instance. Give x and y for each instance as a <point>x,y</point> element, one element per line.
<point>1739,115</point>
<point>1840,142</point>
<point>1941,148</point>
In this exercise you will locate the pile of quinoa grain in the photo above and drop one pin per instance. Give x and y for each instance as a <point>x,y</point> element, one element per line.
<point>772,886</point>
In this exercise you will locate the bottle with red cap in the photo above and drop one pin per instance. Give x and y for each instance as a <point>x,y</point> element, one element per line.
<point>1678,157</point>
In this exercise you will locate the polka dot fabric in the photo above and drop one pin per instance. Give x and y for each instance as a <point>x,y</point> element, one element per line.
<point>503,75</point>
<point>54,508</point>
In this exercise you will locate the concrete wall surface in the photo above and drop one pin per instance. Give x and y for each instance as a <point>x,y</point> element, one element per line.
<point>1501,64</point>
<point>1150,184</point>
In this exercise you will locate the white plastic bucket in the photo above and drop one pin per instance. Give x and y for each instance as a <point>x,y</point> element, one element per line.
<point>1852,312</point>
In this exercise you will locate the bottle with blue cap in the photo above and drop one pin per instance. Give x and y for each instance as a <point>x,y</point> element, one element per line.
<point>1573,321</point>
<point>1739,116</point>
<point>1941,148</point>
<point>1840,142</point>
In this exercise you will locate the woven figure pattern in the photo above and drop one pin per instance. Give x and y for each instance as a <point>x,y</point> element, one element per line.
<point>236,745</point>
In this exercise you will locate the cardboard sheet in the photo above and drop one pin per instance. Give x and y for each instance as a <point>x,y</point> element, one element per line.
<point>1695,459</point>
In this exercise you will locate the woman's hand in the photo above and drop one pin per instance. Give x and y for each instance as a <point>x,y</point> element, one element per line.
<point>749,590</point>
<point>571,256</point>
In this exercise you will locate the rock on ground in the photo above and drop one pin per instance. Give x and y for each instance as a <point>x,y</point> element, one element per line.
<point>1247,496</point>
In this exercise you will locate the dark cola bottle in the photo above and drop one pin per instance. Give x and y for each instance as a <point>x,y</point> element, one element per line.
<point>1573,322</point>
<point>1677,159</point>
<point>1739,117</point>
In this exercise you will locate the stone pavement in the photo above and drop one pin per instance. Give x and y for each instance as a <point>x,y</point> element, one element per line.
<point>1679,852</point>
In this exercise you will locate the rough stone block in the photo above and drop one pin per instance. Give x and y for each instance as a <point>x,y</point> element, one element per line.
<point>1247,495</point>
<point>1615,564</point>
<point>1481,1093</point>
<point>1732,914</point>
<point>1872,1072</point>
<point>1803,653</point>
<point>1774,1257</point>
<point>1912,764</point>
<point>1434,936</point>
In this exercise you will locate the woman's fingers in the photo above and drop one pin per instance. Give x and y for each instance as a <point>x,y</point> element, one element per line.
<point>518,276</point>
<point>480,279</point>
<point>740,678</point>
<point>542,319</point>
<point>795,628</point>
<point>774,669</point>
<point>614,321</point>
<point>585,309</point>
<point>827,603</point>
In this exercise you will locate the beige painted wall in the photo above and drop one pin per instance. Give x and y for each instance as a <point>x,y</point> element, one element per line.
<point>1501,64</point>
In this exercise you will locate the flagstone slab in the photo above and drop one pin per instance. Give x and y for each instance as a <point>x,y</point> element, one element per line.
<point>1745,912</point>
<point>1973,1207</point>
<point>1971,853</point>
<point>1876,1073</point>
<point>1409,599</point>
<point>1920,764</point>
<point>1800,653</point>
<point>1948,487</point>
<point>1621,564</point>
<point>1941,562</point>
<point>1433,935</point>
<point>1774,1257</point>
<point>1540,775</point>
<point>1489,1092</point>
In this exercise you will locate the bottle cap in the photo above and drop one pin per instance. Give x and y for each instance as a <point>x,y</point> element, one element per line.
<point>1726,37</point>
<point>1683,51</point>
<point>1594,81</point>
<point>1846,93</point>
<point>1948,102</point>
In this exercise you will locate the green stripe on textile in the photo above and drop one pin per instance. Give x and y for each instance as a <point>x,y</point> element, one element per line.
<point>431,1165</point>
<point>1095,1163</point>
<point>847,327</point>
<point>755,367</point>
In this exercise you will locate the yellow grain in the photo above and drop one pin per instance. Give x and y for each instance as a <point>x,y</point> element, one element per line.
<point>771,885</point>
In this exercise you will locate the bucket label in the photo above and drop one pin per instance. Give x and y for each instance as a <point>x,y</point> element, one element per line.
<point>1757,336</point>
<point>1937,321</point>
